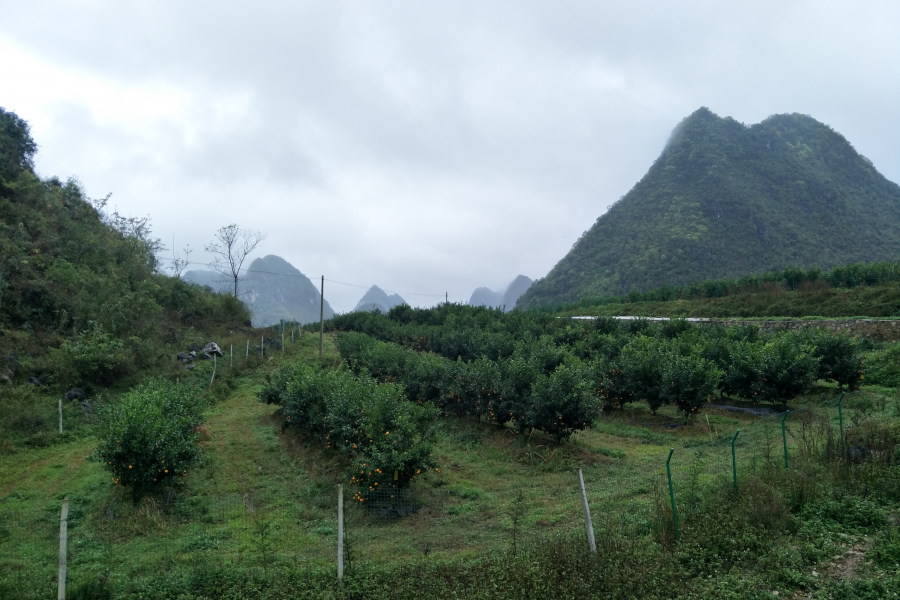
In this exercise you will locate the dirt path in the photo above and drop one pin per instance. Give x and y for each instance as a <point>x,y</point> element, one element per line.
<point>242,452</point>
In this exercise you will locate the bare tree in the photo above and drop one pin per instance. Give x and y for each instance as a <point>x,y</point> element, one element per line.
<point>231,247</point>
<point>180,264</point>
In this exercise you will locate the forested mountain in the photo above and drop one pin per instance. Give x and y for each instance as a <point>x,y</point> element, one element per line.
<point>725,200</point>
<point>82,298</point>
<point>377,299</point>
<point>273,289</point>
<point>487,297</point>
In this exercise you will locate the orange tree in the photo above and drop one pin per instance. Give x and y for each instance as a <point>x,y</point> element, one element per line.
<point>148,437</point>
<point>389,440</point>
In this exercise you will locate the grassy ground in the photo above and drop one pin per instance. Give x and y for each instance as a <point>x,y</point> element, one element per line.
<point>264,499</point>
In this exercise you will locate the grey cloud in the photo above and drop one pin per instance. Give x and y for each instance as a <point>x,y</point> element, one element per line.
<point>442,144</point>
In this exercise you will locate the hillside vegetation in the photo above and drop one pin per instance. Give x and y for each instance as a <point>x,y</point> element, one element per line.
<point>858,290</point>
<point>83,301</point>
<point>724,200</point>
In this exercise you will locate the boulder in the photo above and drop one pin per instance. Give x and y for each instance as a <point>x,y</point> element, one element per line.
<point>76,394</point>
<point>213,348</point>
<point>189,367</point>
<point>87,407</point>
<point>34,381</point>
<point>205,356</point>
<point>184,357</point>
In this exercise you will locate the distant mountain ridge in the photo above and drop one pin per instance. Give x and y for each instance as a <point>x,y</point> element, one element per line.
<point>507,299</point>
<point>377,299</point>
<point>725,200</point>
<point>273,289</point>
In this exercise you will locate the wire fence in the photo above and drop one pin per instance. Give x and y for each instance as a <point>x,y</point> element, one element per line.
<point>637,493</point>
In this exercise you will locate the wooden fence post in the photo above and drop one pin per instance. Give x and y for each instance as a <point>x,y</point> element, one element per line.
<point>63,542</point>
<point>60,415</point>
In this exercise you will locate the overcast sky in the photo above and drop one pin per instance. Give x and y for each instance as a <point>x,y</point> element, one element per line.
<point>421,146</point>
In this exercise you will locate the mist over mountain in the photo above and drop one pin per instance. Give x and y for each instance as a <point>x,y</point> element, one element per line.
<point>507,299</point>
<point>377,299</point>
<point>486,297</point>
<point>273,289</point>
<point>724,200</point>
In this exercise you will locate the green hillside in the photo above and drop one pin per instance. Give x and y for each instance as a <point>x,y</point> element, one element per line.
<point>724,200</point>
<point>83,301</point>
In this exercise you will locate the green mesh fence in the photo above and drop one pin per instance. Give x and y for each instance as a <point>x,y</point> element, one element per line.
<point>628,493</point>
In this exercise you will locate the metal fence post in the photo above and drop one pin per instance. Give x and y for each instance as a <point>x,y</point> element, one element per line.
<point>784,439</point>
<point>734,462</point>
<point>672,493</point>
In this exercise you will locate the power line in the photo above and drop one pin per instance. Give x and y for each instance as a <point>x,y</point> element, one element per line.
<point>302,276</point>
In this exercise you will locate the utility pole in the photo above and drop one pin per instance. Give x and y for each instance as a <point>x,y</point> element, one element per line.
<point>446,297</point>
<point>322,318</point>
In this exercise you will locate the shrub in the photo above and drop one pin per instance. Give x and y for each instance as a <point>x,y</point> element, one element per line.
<point>148,438</point>
<point>844,511</point>
<point>788,368</point>
<point>563,402</point>
<point>385,435</point>
<point>472,388</point>
<point>642,362</point>
<point>611,385</point>
<point>839,359</point>
<point>885,551</point>
<point>741,364</point>
<point>883,367</point>
<point>95,356</point>
<point>689,382</point>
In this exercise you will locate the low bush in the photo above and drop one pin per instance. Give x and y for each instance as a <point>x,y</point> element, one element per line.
<point>882,367</point>
<point>95,356</point>
<point>148,437</point>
